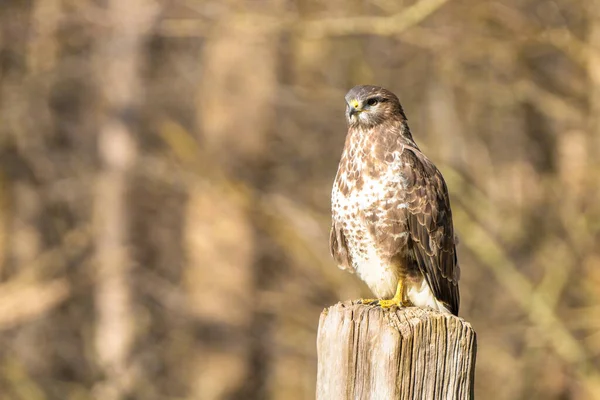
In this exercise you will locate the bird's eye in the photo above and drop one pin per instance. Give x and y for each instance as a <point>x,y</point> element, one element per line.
<point>372,102</point>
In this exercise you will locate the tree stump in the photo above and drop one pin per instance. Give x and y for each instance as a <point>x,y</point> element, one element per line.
<point>366,352</point>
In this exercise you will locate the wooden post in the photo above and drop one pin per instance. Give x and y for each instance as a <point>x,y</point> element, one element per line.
<point>367,353</point>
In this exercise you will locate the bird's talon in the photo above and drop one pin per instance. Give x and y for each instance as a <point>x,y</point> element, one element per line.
<point>389,303</point>
<point>368,301</point>
<point>393,302</point>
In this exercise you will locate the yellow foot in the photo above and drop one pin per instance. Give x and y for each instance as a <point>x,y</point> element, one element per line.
<point>368,301</point>
<point>399,299</point>
<point>383,303</point>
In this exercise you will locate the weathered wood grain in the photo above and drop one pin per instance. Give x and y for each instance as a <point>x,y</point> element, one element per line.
<point>366,352</point>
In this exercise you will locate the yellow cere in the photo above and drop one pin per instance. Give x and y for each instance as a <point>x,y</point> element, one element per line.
<point>354,103</point>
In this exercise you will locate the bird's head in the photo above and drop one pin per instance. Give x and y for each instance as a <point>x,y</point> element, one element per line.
<point>368,106</point>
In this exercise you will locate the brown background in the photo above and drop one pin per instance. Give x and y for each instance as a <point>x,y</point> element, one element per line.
<point>165,172</point>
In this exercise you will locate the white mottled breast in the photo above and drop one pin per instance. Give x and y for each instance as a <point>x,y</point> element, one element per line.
<point>353,209</point>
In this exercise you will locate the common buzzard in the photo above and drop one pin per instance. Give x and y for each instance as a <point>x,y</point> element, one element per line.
<point>391,217</point>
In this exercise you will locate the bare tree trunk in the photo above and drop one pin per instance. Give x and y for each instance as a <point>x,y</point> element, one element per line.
<point>218,279</point>
<point>240,61</point>
<point>119,60</point>
<point>24,217</point>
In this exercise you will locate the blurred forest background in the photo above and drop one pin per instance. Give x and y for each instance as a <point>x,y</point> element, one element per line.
<point>166,167</point>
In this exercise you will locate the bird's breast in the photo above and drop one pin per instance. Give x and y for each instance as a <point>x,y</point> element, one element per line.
<point>363,203</point>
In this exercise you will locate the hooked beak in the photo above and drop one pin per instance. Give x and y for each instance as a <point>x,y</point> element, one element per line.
<point>353,108</point>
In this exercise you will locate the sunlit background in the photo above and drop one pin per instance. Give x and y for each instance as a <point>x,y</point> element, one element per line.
<point>166,167</point>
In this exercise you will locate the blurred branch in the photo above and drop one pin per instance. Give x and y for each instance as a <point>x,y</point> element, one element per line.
<point>46,263</point>
<point>179,27</point>
<point>577,50</point>
<point>382,26</point>
<point>556,276</point>
<point>314,29</point>
<point>21,301</point>
<point>561,38</point>
<point>551,104</point>
<point>120,55</point>
<point>506,272</point>
<point>27,296</point>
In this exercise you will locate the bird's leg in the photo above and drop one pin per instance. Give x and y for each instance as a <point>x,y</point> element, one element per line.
<point>398,299</point>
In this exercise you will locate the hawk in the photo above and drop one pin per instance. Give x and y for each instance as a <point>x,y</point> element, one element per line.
<point>391,217</point>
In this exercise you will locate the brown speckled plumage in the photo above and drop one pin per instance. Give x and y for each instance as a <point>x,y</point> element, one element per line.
<point>390,207</point>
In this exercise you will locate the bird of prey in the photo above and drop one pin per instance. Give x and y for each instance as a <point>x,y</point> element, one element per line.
<point>391,217</point>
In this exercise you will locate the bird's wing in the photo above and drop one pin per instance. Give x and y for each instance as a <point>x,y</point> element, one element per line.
<point>429,221</point>
<point>339,248</point>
